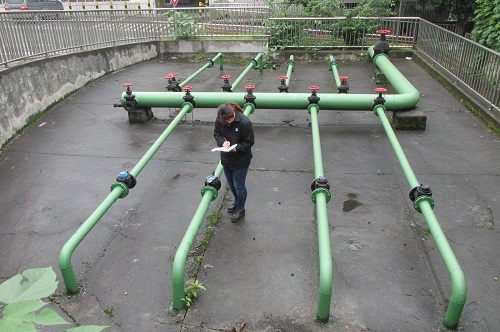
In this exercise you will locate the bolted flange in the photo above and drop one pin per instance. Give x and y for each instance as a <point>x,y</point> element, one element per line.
<point>421,193</point>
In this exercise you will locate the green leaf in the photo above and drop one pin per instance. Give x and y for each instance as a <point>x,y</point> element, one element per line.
<point>7,325</point>
<point>86,328</point>
<point>21,309</point>
<point>48,317</point>
<point>40,283</point>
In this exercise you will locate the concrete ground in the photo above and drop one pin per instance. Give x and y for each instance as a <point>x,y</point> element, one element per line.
<point>260,274</point>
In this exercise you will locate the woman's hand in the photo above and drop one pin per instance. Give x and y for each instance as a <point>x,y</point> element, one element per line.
<point>226,144</point>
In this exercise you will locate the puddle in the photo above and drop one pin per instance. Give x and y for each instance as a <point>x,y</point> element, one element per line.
<point>351,203</point>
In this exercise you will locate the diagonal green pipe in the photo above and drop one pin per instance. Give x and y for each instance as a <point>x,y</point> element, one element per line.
<point>209,64</point>
<point>321,197</point>
<point>424,205</point>
<point>333,68</point>
<point>254,63</point>
<point>117,191</point>
<point>179,264</point>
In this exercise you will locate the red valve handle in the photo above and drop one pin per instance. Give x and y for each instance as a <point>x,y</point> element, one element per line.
<point>282,77</point>
<point>344,77</point>
<point>249,86</point>
<point>172,74</point>
<point>314,88</point>
<point>187,88</point>
<point>383,32</point>
<point>381,90</point>
<point>226,77</point>
<point>127,84</point>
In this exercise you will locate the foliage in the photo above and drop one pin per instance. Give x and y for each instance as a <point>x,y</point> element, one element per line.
<point>183,24</point>
<point>487,24</point>
<point>324,8</point>
<point>192,288</point>
<point>22,295</point>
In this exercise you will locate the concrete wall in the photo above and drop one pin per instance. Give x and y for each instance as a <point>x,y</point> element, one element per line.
<point>30,88</point>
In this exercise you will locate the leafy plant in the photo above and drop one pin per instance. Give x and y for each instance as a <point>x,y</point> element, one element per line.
<point>192,288</point>
<point>183,24</point>
<point>22,295</point>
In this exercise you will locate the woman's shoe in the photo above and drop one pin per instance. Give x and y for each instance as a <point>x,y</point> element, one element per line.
<point>232,208</point>
<point>237,215</point>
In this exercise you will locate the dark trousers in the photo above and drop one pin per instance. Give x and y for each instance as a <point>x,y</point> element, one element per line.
<point>236,180</point>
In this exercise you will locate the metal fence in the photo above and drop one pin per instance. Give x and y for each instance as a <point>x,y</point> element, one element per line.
<point>468,62</point>
<point>340,32</point>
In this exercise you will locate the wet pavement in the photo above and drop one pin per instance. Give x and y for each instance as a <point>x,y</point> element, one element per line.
<point>260,274</point>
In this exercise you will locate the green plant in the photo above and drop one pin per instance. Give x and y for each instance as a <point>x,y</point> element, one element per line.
<point>22,295</point>
<point>183,24</point>
<point>192,288</point>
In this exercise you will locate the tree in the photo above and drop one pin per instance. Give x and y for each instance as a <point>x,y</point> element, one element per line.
<point>487,24</point>
<point>461,10</point>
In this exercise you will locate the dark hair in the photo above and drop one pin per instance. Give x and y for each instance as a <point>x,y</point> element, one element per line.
<point>227,111</point>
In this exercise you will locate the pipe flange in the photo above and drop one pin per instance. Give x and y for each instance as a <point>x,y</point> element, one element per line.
<point>252,105</point>
<point>420,193</point>
<point>130,105</point>
<point>211,189</point>
<point>188,103</point>
<point>321,190</point>
<point>127,179</point>
<point>211,62</point>
<point>255,63</point>
<point>122,186</point>
<point>310,106</point>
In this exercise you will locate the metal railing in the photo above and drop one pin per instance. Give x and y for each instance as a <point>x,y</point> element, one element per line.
<point>340,32</point>
<point>470,63</point>
<point>26,35</point>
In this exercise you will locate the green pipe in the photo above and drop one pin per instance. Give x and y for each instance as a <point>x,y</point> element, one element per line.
<point>209,64</point>
<point>179,264</point>
<point>321,197</point>
<point>424,205</point>
<point>117,191</point>
<point>290,69</point>
<point>255,62</point>
<point>333,68</point>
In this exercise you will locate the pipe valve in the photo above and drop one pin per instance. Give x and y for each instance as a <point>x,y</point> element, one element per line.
<point>249,96</point>
<point>382,46</point>
<point>125,181</point>
<point>343,87</point>
<point>379,100</point>
<point>212,184</point>
<point>320,184</point>
<point>188,97</point>
<point>130,102</point>
<point>173,84</point>
<point>283,87</point>
<point>226,86</point>
<point>422,192</point>
<point>313,98</point>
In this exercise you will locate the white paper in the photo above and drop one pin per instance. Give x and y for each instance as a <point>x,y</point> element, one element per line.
<point>224,149</point>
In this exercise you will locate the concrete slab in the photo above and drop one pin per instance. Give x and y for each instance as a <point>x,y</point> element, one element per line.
<point>261,274</point>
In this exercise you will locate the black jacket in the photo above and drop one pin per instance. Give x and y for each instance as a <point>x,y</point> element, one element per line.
<point>240,132</point>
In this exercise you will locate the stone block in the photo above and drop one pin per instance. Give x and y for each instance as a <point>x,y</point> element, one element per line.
<point>140,115</point>
<point>409,120</point>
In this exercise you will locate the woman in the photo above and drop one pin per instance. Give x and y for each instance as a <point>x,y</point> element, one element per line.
<point>233,127</point>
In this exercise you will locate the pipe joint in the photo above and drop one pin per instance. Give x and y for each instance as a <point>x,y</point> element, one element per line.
<point>125,181</point>
<point>291,63</point>
<point>419,194</point>
<point>210,63</point>
<point>247,105</point>
<point>255,63</point>
<point>213,181</point>
<point>211,189</point>
<point>226,86</point>
<point>333,63</point>
<point>283,87</point>
<point>130,101</point>
<point>320,185</point>
<point>313,98</point>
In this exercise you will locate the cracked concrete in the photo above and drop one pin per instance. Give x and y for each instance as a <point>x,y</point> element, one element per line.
<point>261,274</point>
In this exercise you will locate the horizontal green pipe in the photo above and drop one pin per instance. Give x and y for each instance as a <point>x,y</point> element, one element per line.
<point>70,246</point>
<point>458,282</point>
<point>180,259</point>
<point>199,71</point>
